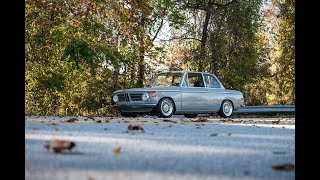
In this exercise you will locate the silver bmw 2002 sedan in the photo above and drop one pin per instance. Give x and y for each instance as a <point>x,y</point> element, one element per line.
<point>179,92</point>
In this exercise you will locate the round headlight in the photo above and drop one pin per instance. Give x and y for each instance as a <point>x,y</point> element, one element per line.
<point>115,98</point>
<point>145,96</point>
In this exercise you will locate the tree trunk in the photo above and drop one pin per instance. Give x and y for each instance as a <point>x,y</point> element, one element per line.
<point>141,67</point>
<point>204,40</point>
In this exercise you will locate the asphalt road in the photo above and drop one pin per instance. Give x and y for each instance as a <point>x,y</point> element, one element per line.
<point>181,149</point>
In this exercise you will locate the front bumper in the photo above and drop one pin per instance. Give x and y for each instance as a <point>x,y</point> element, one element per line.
<point>133,107</point>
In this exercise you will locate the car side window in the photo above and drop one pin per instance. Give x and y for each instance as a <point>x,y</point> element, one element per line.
<point>211,81</point>
<point>195,80</point>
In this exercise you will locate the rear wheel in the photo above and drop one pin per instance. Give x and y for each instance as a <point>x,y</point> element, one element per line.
<point>226,109</point>
<point>165,108</point>
<point>190,115</point>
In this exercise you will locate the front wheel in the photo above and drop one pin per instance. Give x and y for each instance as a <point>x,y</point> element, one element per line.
<point>165,108</point>
<point>226,109</point>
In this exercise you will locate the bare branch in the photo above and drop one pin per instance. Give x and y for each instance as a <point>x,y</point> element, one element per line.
<point>155,36</point>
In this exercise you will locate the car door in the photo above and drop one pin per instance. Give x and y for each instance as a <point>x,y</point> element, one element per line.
<point>215,92</point>
<point>194,93</point>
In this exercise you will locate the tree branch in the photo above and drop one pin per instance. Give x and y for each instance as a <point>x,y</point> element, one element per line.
<point>155,36</point>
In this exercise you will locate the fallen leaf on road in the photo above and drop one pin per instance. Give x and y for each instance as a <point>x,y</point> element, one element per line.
<point>288,166</point>
<point>213,134</point>
<point>227,120</point>
<point>117,150</point>
<point>184,119</point>
<point>135,128</point>
<point>275,122</point>
<point>229,134</point>
<point>59,146</point>
<point>166,120</point>
<point>201,119</point>
<point>98,121</point>
<point>90,178</point>
<point>71,120</point>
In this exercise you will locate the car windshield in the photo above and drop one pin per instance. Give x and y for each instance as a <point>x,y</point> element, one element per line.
<point>166,80</point>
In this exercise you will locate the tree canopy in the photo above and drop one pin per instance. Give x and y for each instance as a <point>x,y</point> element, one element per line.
<point>78,52</point>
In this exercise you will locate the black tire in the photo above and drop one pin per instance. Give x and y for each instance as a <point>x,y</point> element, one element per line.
<point>190,115</point>
<point>226,109</point>
<point>127,114</point>
<point>165,108</point>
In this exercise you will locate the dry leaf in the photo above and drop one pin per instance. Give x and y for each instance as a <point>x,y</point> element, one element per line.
<point>135,128</point>
<point>229,134</point>
<point>213,134</point>
<point>288,166</point>
<point>59,146</point>
<point>227,120</point>
<point>71,120</point>
<point>275,122</point>
<point>201,119</point>
<point>98,121</point>
<point>184,119</point>
<point>167,120</point>
<point>90,178</point>
<point>117,150</point>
